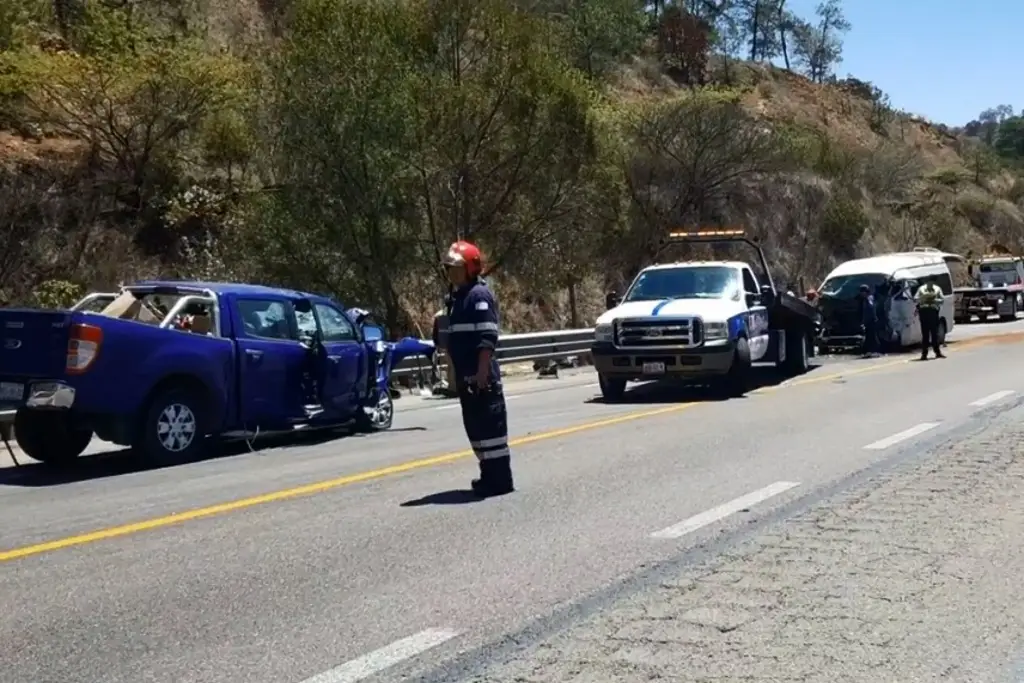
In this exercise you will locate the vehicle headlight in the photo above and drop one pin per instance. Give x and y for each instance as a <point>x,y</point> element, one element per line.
<point>603,332</point>
<point>715,331</point>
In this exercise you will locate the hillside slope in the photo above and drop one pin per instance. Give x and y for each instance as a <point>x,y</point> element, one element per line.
<point>244,152</point>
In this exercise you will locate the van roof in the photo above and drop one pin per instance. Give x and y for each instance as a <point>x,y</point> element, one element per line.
<point>890,264</point>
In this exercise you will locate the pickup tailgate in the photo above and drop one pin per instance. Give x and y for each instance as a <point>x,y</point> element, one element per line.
<point>33,343</point>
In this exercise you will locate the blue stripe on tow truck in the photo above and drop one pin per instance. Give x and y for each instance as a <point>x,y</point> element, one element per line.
<point>661,305</point>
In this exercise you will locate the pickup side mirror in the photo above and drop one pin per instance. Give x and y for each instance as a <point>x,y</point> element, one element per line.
<point>373,333</point>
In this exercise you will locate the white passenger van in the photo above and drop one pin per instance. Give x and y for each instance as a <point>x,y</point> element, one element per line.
<point>893,280</point>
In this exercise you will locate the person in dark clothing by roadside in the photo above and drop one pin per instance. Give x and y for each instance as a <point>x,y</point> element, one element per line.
<point>868,321</point>
<point>472,347</point>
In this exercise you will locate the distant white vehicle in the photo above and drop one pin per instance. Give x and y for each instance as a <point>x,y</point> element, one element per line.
<point>893,280</point>
<point>701,321</point>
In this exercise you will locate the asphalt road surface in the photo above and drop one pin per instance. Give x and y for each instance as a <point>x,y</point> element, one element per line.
<point>340,560</point>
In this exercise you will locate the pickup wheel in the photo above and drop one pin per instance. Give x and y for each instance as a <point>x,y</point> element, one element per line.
<point>171,429</point>
<point>379,416</point>
<point>51,438</point>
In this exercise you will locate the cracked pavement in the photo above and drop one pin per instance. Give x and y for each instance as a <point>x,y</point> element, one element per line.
<point>912,577</point>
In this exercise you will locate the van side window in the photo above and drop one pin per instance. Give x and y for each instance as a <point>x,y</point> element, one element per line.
<point>945,283</point>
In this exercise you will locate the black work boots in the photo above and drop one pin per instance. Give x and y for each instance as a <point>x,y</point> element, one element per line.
<point>495,478</point>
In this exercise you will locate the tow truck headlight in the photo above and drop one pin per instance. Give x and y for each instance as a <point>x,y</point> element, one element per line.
<point>716,331</point>
<point>603,333</point>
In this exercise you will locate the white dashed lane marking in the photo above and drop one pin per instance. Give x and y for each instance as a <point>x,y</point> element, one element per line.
<point>715,514</point>
<point>896,438</point>
<point>992,398</point>
<point>384,658</point>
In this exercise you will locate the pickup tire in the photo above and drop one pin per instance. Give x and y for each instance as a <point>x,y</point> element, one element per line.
<point>52,438</point>
<point>172,428</point>
<point>380,416</point>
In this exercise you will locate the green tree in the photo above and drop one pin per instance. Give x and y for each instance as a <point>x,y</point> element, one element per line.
<point>818,47</point>
<point>1009,139</point>
<point>600,33</point>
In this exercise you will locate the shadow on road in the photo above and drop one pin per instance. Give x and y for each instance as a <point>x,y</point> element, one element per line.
<point>452,497</point>
<point>115,463</point>
<point>673,391</point>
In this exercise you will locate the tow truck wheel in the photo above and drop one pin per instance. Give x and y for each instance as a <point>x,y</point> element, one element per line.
<point>50,437</point>
<point>171,429</point>
<point>612,388</point>
<point>797,358</point>
<point>737,381</point>
<point>1012,315</point>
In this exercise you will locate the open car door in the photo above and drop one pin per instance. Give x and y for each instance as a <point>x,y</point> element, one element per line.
<point>341,358</point>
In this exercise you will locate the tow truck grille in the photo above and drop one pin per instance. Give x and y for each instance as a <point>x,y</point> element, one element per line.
<point>632,333</point>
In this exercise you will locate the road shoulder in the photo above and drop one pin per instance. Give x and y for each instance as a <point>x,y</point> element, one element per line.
<point>912,576</point>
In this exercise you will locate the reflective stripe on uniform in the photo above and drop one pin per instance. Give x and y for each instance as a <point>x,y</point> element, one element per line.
<point>489,443</point>
<point>488,449</point>
<point>474,327</point>
<point>493,453</point>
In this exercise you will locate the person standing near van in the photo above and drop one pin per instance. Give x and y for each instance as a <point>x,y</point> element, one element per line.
<point>868,321</point>
<point>929,300</point>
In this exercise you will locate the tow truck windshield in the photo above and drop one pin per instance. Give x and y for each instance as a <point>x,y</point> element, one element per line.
<point>691,282</point>
<point>847,286</point>
<point>999,267</point>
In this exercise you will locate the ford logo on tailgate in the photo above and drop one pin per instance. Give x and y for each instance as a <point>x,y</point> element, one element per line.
<point>12,344</point>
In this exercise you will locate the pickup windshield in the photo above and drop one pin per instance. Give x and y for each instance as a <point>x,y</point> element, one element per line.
<point>847,286</point>
<point>691,282</point>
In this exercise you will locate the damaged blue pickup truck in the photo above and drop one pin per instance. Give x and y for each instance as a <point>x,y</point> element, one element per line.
<point>163,366</point>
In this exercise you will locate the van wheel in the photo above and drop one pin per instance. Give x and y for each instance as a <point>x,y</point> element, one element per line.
<point>172,428</point>
<point>51,438</point>
<point>613,389</point>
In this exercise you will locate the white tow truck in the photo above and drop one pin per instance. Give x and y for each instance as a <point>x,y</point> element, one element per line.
<point>999,290</point>
<point>702,322</point>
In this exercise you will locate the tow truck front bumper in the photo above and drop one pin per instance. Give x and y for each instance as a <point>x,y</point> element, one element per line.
<point>712,359</point>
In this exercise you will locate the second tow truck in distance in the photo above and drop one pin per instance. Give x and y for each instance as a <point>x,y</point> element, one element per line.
<point>703,322</point>
<point>998,290</point>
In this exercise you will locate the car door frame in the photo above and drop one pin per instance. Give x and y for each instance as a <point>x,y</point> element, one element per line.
<point>276,399</point>
<point>344,371</point>
<point>758,343</point>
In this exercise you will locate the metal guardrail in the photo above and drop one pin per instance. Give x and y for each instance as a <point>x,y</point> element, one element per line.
<point>520,348</point>
<point>512,348</point>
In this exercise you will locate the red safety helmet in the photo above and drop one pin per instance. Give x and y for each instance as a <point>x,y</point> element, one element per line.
<point>465,254</point>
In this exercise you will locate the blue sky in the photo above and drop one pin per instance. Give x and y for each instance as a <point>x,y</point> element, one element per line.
<point>941,59</point>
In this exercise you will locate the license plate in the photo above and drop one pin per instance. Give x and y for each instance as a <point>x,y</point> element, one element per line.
<point>654,368</point>
<point>11,391</point>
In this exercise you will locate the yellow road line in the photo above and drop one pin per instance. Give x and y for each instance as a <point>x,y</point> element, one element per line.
<point>309,489</point>
<point>348,480</point>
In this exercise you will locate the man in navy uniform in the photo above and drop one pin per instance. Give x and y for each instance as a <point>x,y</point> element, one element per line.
<point>472,343</point>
